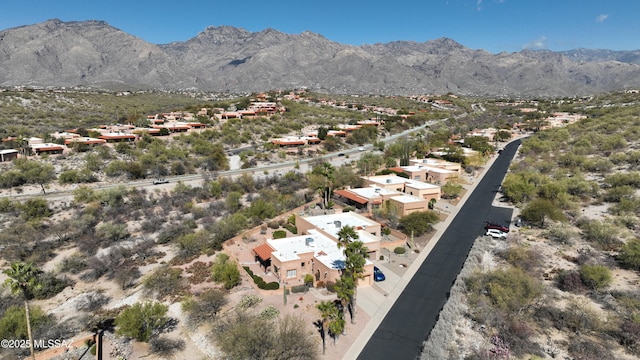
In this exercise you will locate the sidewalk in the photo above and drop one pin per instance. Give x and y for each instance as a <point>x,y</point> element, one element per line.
<point>384,303</point>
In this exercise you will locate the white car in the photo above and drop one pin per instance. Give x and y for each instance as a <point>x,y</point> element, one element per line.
<point>496,234</point>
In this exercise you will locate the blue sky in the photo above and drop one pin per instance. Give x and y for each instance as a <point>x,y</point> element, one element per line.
<point>493,25</point>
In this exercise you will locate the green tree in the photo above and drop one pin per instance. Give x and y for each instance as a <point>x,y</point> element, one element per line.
<point>142,321</point>
<point>13,324</point>
<point>23,279</point>
<point>419,222</point>
<point>539,210</point>
<point>451,190</point>
<point>36,172</point>
<point>225,271</point>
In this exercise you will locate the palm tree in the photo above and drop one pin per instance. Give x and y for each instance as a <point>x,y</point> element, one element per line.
<point>346,235</point>
<point>327,309</point>
<point>23,279</point>
<point>355,258</point>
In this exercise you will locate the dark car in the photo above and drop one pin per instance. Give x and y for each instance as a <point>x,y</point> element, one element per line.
<point>377,274</point>
<point>496,226</point>
<point>341,154</point>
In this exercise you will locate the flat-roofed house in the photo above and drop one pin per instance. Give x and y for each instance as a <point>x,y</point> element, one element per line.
<point>313,253</point>
<point>430,174</point>
<point>117,137</point>
<point>369,198</point>
<point>368,231</point>
<point>8,155</point>
<point>407,204</point>
<point>416,188</point>
<point>47,148</point>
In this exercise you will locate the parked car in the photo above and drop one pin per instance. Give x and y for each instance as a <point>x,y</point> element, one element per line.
<point>496,226</point>
<point>496,234</point>
<point>160,181</point>
<point>378,275</point>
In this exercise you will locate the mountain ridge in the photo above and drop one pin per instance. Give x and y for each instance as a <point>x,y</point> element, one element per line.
<point>225,58</point>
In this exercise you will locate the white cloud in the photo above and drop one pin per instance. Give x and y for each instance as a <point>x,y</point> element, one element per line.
<point>602,17</point>
<point>539,43</point>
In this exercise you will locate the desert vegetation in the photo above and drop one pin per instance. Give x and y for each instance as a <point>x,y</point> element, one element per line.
<point>149,242</point>
<point>565,284</point>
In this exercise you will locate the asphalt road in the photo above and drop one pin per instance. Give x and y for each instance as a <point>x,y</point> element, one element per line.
<point>414,314</point>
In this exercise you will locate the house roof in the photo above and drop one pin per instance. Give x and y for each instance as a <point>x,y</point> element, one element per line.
<point>263,251</point>
<point>351,196</point>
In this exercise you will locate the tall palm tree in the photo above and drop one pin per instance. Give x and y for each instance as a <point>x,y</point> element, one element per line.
<point>355,258</point>
<point>23,279</point>
<point>327,309</point>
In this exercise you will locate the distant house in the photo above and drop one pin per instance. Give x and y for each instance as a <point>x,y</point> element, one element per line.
<point>8,155</point>
<point>47,148</point>
<point>118,137</point>
<point>84,141</point>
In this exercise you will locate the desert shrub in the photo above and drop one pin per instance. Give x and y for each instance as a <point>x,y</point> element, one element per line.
<point>522,257</point>
<point>595,277</point>
<point>279,234</point>
<point>166,281</point>
<point>200,272</point>
<point>560,234</point>
<point>225,271</point>
<point>173,231</point>
<point>205,306</point>
<point>191,244</point>
<point>588,350</point>
<point>399,250</point>
<point>308,279</point>
<point>13,323</point>
<point>507,289</point>
<point>35,209</point>
<point>50,285</point>
<point>292,228</point>
<point>299,288</point>
<point>92,301</point>
<point>243,335</point>
<point>419,222</point>
<point>73,263</point>
<point>330,286</point>
<point>629,336</point>
<point>273,224</point>
<point>142,321</point>
<point>603,235</point>
<point>630,254</point>
<point>260,281</point>
<point>166,346</point>
<point>270,286</point>
<point>571,281</point>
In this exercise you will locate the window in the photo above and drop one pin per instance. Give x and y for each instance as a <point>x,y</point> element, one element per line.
<point>291,273</point>
<point>302,264</point>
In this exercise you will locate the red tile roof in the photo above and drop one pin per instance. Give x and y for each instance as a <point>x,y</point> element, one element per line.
<point>351,196</point>
<point>263,251</point>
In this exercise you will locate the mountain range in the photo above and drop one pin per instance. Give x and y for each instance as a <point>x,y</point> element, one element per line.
<point>228,59</point>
